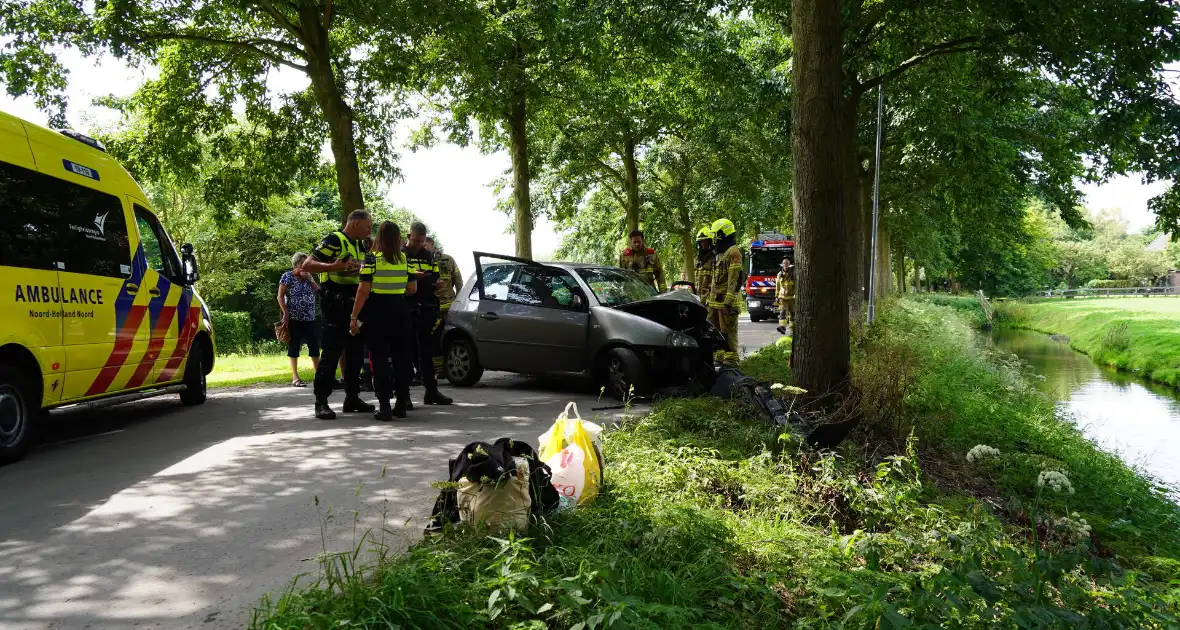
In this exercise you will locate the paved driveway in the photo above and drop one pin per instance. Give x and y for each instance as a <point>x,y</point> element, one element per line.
<point>153,515</point>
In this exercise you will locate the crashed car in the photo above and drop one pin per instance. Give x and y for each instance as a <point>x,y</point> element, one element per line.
<point>518,315</point>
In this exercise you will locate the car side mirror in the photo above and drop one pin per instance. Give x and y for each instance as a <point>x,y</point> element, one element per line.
<point>578,303</point>
<point>188,265</point>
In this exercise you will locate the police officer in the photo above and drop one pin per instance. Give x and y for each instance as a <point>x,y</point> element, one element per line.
<point>338,258</point>
<point>784,295</point>
<point>643,260</point>
<point>426,306</point>
<point>382,301</point>
<point>450,282</point>
<point>725,301</point>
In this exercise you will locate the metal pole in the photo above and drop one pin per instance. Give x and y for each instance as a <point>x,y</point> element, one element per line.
<point>876,206</point>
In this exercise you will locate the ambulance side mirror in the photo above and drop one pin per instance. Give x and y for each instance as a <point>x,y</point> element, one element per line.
<point>188,265</point>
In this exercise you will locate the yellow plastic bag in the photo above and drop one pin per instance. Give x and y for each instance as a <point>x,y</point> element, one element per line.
<point>570,449</point>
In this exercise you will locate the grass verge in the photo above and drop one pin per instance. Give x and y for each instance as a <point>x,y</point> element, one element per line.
<point>1135,334</point>
<point>710,518</point>
<point>233,370</point>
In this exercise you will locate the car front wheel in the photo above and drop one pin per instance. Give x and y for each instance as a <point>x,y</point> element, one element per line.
<point>626,376</point>
<point>18,407</point>
<point>195,387</point>
<point>461,366</point>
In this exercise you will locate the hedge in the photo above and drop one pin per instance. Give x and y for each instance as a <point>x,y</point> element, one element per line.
<point>232,330</point>
<point>1113,284</point>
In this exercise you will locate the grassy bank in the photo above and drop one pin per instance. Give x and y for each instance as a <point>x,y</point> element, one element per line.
<point>254,369</point>
<point>710,518</point>
<point>1137,334</point>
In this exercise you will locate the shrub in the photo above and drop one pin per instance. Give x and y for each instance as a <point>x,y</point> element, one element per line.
<point>1113,284</point>
<point>1117,338</point>
<point>232,330</point>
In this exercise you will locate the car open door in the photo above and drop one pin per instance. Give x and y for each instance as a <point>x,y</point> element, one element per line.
<point>531,317</point>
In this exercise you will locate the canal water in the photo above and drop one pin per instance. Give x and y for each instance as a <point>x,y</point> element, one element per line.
<point>1122,414</point>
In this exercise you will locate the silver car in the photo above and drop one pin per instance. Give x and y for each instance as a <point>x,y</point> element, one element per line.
<point>518,315</point>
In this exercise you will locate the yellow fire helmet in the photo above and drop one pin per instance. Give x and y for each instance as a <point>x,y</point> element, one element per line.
<point>705,234</point>
<point>722,228</point>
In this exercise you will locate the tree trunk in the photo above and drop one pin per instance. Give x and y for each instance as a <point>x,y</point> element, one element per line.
<point>867,254</point>
<point>518,131</point>
<point>687,242</point>
<point>884,267</point>
<point>854,218</point>
<point>821,339</point>
<point>631,171</point>
<point>901,268</point>
<point>337,114</point>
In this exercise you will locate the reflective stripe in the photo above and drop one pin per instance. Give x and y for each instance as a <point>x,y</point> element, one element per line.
<point>347,248</point>
<point>390,278</point>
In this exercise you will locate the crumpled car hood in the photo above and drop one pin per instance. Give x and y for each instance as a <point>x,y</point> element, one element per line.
<point>678,310</point>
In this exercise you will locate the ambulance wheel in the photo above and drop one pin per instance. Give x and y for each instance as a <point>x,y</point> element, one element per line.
<point>18,407</point>
<point>460,363</point>
<point>195,387</point>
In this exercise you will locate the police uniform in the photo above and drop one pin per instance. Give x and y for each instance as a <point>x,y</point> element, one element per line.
<point>425,314</point>
<point>452,283</point>
<point>784,297</point>
<point>338,292</point>
<point>725,301</point>
<point>387,327</point>
<point>647,264</point>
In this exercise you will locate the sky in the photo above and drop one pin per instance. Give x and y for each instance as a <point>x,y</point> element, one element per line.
<point>447,186</point>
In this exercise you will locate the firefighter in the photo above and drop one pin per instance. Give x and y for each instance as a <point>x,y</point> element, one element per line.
<point>338,257</point>
<point>643,260</point>
<point>706,258</point>
<point>382,301</point>
<point>425,269</point>
<point>784,295</point>
<point>726,293</point>
<point>450,282</point>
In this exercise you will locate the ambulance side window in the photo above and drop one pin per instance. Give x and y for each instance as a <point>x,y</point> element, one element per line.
<point>26,239</point>
<point>156,245</point>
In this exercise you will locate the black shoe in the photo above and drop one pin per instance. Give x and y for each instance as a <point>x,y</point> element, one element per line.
<point>782,330</point>
<point>323,411</point>
<point>356,405</point>
<point>400,407</point>
<point>339,384</point>
<point>436,397</point>
<point>384,414</point>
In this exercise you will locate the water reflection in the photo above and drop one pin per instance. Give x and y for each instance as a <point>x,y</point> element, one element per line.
<point>1138,420</point>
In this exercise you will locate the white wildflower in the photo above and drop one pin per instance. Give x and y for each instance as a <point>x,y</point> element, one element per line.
<point>776,386</point>
<point>1074,526</point>
<point>1057,481</point>
<point>981,452</point>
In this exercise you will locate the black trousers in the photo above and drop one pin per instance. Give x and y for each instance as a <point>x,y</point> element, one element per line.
<point>424,318</point>
<point>337,341</point>
<point>387,332</point>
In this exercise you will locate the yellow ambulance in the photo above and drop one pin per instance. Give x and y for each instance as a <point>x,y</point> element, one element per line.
<point>96,307</point>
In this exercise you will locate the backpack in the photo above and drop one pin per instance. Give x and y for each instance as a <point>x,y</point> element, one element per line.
<point>479,461</point>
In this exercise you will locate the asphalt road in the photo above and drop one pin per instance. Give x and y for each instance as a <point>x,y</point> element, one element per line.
<point>153,515</point>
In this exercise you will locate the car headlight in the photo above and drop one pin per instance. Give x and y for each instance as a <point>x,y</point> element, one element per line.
<point>680,340</point>
<point>753,303</point>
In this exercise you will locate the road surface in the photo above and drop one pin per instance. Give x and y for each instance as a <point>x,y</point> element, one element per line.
<point>153,515</point>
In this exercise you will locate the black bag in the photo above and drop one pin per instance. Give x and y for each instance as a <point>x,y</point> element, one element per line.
<point>480,461</point>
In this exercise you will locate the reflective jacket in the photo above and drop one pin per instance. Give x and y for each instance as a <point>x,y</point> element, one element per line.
<point>387,278</point>
<point>704,283</point>
<point>452,281</point>
<point>726,290</point>
<point>647,264</point>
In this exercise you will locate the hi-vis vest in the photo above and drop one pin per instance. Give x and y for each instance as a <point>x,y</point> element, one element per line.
<point>348,251</point>
<point>390,278</point>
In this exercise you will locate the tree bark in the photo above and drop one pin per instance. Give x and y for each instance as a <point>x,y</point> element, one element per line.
<point>884,266</point>
<point>631,171</point>
<point>518,131</point>
<point>901,268</point>
<point>687,242</point>
<point>854,212</point>
<point>867,254</point>
<point>337,114</point>
<point>821,340</point>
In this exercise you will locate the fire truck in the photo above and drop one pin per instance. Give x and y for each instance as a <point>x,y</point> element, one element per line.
<point>766,257</point>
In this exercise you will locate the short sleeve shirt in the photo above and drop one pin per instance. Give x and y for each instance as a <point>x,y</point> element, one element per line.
<point>300,298</point>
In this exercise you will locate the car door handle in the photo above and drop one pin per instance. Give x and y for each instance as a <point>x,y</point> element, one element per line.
<point>490,316</point>
<point>154,291</point>
<point>131,289</point>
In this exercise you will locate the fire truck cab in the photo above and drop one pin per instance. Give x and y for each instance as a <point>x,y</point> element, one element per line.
<point>766,256</point>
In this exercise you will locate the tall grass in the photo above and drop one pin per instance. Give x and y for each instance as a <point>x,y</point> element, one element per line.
<point>711,518</point>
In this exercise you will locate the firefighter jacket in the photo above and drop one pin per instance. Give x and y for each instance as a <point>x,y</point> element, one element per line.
<point>726,289</point>
<point>784,287</point>
<point>452,281</point>
<point>646,263</point>
<point>704,284</point>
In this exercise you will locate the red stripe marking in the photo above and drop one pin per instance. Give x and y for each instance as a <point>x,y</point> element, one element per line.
<point>159,334</point>
<point>124,339</point>
<point>182,344</point>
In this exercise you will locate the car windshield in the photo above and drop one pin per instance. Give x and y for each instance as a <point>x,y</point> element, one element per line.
<point>614,287</point>
<point>768,262</point>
